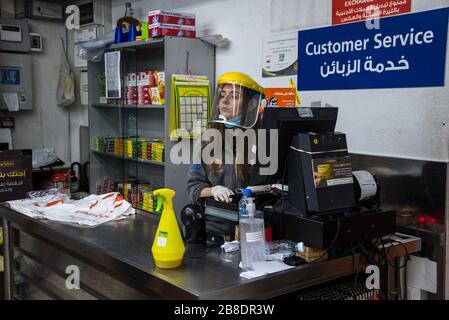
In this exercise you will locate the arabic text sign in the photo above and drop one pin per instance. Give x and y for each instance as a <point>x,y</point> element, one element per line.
<point>408,51</point>
<point>345,11</point>
<point>281,97</point>
<point>15,174</point>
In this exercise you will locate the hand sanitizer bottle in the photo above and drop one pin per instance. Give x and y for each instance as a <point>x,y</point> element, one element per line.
<point>252,236</point>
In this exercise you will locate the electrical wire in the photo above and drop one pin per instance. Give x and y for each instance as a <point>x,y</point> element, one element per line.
<point>283,196</point>
<point>386,253</point>
<point>332,243</point>
<point>355,264</point>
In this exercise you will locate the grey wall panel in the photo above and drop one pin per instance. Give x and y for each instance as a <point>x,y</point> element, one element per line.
<point>201,61</point>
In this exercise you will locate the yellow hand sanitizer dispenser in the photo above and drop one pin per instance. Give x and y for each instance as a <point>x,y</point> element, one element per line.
<point>168,247</point>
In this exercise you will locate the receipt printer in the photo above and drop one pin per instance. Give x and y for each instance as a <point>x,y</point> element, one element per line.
<point>320,173</point>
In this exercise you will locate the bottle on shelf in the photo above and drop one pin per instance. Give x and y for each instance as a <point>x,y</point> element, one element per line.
<point>252,236</point>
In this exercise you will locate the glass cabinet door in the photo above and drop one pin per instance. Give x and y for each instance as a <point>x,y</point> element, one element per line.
<point>128,133</point>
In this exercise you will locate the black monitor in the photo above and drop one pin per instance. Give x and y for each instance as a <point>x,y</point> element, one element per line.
<point>289,122</point>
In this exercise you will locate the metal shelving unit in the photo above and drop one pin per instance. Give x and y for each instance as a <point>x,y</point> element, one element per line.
<point>173,56</point>
<point>130,106</point>
<point>112,155</point>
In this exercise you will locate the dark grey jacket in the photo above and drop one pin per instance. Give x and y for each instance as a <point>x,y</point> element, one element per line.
<point>199,178</point>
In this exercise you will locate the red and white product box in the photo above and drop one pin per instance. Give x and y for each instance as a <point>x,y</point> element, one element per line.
<point>131,92</point>
<point>144,83</point>
<point>159,30</point>
<point>161,16</point>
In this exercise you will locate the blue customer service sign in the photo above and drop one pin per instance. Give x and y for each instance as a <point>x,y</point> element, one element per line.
<point>406,51</point>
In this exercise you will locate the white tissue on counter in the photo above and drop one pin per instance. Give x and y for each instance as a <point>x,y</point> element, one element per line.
<point>231,246</point>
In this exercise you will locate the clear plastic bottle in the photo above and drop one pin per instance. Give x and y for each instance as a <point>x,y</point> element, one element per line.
<point>242,203</point>
<point>280,249</point>
<point>252,236</point>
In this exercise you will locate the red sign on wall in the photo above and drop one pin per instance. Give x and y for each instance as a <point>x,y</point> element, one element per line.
<point>346,11</point>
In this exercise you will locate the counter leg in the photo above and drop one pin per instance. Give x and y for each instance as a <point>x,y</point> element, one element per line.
<point>392,290</point>
<point>403,278</point>
<point>7,259</point>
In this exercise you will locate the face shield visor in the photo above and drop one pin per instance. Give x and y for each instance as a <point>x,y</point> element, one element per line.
<point>236,106</point>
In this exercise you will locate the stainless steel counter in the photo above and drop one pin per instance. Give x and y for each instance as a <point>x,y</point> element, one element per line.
<point>120,252</point>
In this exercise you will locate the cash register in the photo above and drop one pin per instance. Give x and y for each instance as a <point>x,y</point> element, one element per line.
<point>327,204</point>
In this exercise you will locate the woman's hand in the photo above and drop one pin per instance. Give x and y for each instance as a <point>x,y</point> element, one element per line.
<point>221,193</point>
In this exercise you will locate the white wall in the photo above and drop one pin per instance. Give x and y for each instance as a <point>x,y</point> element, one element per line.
<point>79,114</point>
<point>406,123</point>
<point>46,125</point>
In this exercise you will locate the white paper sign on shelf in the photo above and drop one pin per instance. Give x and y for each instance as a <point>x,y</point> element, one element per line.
<point>112,72</point>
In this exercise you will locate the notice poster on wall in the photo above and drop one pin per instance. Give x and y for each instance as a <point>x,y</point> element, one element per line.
<point>15,174</point>
<point>408,51</point>
<point>281,97</point>
<point>346,11</point>
<point>280,55</point>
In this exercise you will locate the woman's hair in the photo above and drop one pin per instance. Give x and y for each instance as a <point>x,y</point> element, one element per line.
<point>242,170</point>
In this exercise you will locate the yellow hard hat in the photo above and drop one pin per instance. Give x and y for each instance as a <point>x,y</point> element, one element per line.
<point>241,79</point>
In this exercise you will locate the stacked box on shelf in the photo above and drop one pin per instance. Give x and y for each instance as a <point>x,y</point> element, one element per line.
<point>109,145</point>
<point>157,151</point>
<point>98,144</point>
<point>158,90</point>
<point>106,186</point>
<point>131,94</point>
<point>126,189</point>
<point>128,148</point>
<point>143,147</point>
<point>144,84</point>
<point>165,23</point>
<point>162,29</point>
<point>148,150</point>
<point>139,195</point>
<point>146,198</point>
<point>168,17</point>
<point>131,148</point>
<point>118,146</point>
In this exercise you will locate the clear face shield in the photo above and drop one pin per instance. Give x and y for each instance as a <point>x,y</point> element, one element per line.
<point>236,106</point>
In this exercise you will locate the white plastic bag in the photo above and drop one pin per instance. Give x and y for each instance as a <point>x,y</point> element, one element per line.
<point>94,49</point>
<point>65,94</point>
<point>44,157</point>
<point>90,211</point>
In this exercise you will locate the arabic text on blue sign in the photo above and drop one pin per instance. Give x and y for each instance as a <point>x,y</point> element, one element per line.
<point>407,51</point>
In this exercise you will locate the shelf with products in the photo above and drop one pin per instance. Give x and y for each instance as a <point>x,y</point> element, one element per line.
<point>137,192</point>
<point>145,150</point>
<point>129,106</point>
<point>113,155</point>
<point>145,69</point>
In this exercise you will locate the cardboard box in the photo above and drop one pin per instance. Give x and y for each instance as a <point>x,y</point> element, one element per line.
<point>166,17</point>
<point>156,97</point>
<point>160,30</point>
